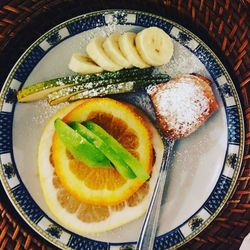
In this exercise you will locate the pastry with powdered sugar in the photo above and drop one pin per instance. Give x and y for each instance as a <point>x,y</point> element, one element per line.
<point>183,104</point>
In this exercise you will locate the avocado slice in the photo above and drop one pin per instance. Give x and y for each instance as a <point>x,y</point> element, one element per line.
<point>123,153</point>
<point>118,162</point>
<point>79,147</point>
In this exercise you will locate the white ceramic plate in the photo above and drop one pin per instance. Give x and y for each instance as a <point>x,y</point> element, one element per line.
<point>205,165</point>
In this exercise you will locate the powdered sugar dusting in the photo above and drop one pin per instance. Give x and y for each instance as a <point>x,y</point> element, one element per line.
<point>182,62</point>
<point>112,26</point>
<point>182,105</point>
<point>44,111</point>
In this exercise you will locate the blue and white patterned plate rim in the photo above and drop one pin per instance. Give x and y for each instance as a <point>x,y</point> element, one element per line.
<point>12,182</point>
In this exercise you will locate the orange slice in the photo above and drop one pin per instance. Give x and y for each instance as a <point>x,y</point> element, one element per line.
<point>82,217</point>
<point>104,186</point>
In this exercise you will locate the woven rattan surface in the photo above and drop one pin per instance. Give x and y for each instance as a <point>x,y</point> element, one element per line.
<point>222,24</point>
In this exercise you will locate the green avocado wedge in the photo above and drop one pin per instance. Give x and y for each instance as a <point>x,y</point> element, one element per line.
<point>79,147</point>
<point>123,153</point>
<point>120,165</point>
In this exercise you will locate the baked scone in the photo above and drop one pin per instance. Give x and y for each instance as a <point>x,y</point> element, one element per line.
<point>183,104</point>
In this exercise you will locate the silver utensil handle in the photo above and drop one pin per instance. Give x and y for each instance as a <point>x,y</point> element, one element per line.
<point>148,232</point>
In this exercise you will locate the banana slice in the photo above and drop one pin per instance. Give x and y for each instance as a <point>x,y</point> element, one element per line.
<point>83,64</point>
<point>154,46</point>
<point>96,52</point>
<point>112,49</point>
<point>127,46</point>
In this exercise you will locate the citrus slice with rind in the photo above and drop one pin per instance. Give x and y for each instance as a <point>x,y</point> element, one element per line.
<point>82,217</point>
<point>102,186</point>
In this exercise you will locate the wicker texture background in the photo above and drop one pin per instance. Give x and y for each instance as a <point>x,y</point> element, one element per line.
<point>222,24</point>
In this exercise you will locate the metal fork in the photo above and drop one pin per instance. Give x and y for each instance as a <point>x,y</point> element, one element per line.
<point>149,228</point>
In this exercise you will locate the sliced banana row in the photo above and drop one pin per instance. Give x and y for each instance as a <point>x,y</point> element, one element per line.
<point>150,47</point>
